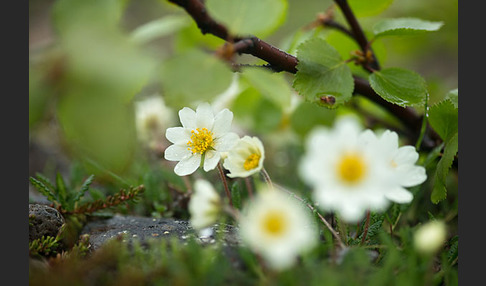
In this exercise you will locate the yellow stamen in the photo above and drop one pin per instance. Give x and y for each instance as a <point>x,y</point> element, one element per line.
<point>251,162</point>
<point>351,168</point>
<point>274,223</point>
<point>201,141</point>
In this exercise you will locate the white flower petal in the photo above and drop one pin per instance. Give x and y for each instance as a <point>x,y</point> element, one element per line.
<point>279,249</point>
<point>176,152</point>
<point>178,135</point>
<point>204,116</point>
<point>187,117</point>
<point>410,176</point>
<point>222,122</point>
<point>399,195</point>
<point>188,165</point>
<point>406,155</point>
<point>211,159</point>
<point>226,142</point>
<point>351,212</point>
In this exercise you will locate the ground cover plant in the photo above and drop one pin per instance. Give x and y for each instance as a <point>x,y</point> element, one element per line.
<point>328,139</point>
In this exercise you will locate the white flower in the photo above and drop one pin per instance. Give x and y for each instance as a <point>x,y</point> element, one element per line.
<point>429,237</point>
<point>204,205</point>
<point>277,227</point>
<point>200,140</point>
<point>347,172</point>
<point>401,161</point>
<point>152,116</point>
<point>246,158</point>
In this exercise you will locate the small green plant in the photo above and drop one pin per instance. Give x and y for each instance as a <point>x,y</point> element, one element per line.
<point>67,200</point>
<point>63,198</point>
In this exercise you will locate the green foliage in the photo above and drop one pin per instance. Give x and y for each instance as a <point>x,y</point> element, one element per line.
<point>44,247</point>
<point>102,63</point>
<point>246,17</point>
<point>59,194</point>
<point>399,86</point>
<point>209,76</point>
<point>273,86</point>
<point>67,199</point>
<point>159,28</point>
<point>369,8</point>
<point>323,77</point>
<point>443,117</point>
<point>308,115</point>
<point>404,27</point>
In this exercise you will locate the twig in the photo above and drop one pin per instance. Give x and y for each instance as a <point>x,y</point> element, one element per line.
<point>367,224</point>
<point>334,233</point>
<point>225,184</point>
<point>279,60</point>
<point>359,35</point>
<point>266,177</point>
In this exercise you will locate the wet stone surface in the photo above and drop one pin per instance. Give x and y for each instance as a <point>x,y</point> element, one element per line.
<point>144,228</point>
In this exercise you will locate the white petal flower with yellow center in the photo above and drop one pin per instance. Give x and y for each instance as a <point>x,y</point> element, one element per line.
<point>246,158</point>
<point>200,140</point>
<point>401,161</point>
<point>277,227</point>
<point>205,205</point>
<point>152,116</point>
<point>348,174</point>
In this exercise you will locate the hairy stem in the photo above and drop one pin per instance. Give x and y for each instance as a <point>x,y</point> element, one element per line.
<point>225,184</point>
<point>326,223</point>
<point>367,225</point>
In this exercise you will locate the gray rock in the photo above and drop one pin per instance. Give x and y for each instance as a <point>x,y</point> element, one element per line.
<point>131,228</point>
<point>43,221</point>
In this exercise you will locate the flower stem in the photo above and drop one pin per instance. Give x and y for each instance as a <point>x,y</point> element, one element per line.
<point>266,177</point>
<point>326,223</point>
<point>249,187</point>
<point>225,184</point>
<point>365,231</point>
<point>424,125</point>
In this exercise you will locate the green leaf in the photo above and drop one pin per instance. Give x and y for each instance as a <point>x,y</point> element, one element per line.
<point>236,194</point>
<point>255,112</point>
<point>321,74</point>
<point>271,85</point>
<point>453,96</point>
<point>97,51</point>
<point>43,189</point>
<point>307,115</point>
<point>194,76</point>
<point>444,118</point>
<point>249,17</point>
<point>399,86</point>
<point>439,191</point>
<point>368,8</point>
<point>404,27</point>
<point>99,127</point>
<point>79,194</point>
<point>159,28</point>
<point>61,189</point>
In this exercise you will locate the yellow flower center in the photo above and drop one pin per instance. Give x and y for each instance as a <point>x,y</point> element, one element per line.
<point>274,223</point>
<point>351,168</point>
<point>251,162</point>
<point>201,141</point>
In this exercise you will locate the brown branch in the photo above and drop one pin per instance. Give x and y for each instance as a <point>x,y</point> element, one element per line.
<point>359,35</point>
<point>279,60</point>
